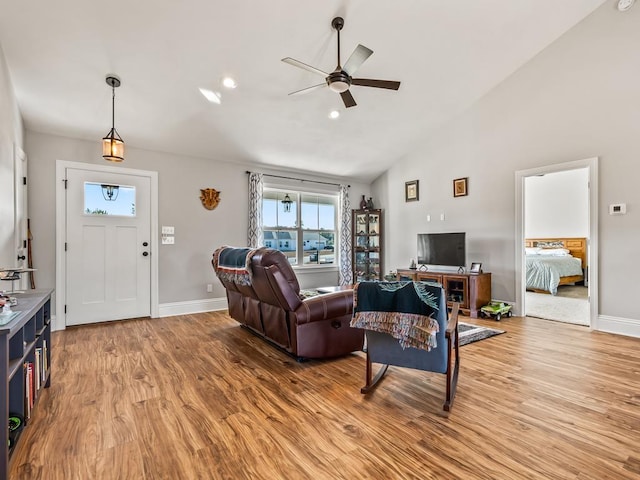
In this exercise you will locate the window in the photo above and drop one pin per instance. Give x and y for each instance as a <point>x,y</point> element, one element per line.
<point>113,200</point>
<point>301,225</point>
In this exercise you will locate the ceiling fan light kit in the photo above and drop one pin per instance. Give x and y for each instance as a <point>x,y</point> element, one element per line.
<point>229,82</point>
<point>341,79</point>
<point>624,5</point>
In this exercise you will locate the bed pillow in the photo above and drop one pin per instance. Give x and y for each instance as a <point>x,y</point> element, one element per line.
<point>532,250</point>
<point>554,252</point>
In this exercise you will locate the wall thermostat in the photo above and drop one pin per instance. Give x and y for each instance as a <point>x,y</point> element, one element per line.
<point>618,209</point>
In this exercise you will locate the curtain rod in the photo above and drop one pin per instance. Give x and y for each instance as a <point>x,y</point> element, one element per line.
<point>298,179</point>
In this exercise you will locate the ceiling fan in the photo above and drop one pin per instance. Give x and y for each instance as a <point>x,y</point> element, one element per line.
<point>341,78</point>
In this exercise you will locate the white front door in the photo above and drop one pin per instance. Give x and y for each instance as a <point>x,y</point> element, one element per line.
<point>108,236</point>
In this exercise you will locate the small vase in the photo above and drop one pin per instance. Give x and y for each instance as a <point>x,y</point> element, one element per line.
<point>363,203</point>
<point>370,204</point>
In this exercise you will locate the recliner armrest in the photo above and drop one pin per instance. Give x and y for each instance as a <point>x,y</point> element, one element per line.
<point>324,307</point>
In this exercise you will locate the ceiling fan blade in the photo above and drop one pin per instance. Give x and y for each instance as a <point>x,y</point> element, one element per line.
<point>304,66</point>
<point>347,98</point>
<point>366,82</point>
<point>357,58</point>
<point>308,89</point>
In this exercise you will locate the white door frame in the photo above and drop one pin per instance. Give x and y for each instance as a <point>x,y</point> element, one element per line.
<point>61,222</point>
<point>592,246</point>
<point>20,197</point>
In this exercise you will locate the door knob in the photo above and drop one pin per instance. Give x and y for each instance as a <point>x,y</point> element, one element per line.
<point>21,257</point>
<point>144,254</point>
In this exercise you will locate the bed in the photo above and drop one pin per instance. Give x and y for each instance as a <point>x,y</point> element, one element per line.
<point>551,262</point>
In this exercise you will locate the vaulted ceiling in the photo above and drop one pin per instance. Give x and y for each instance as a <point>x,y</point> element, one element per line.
<point>446,53</point>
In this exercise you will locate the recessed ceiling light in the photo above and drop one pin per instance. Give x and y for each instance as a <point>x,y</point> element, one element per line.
<point>213,97</point>
<point>624,5</point>
<point>334,114</point>
<point>229,82</point>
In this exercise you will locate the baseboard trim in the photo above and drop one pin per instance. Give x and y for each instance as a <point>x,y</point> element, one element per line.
<point>54,324</point>
<point>192,306</point>
<point>620,326</point>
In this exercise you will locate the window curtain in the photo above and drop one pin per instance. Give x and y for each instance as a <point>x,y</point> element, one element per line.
<point>254,234</point>
<point>344,234</point>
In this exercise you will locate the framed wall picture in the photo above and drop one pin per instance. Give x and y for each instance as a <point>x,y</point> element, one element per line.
<point>460,187</point>
<point>411,191</point>
<point>475,268</point>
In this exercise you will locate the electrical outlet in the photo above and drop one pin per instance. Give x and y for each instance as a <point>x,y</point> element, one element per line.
<point>442,217</point>
<point>209,287</point>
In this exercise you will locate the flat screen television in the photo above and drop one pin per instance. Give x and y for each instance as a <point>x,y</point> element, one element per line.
<point>442,249</point>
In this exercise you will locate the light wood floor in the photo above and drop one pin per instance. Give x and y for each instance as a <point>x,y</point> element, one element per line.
<point>198,397</point>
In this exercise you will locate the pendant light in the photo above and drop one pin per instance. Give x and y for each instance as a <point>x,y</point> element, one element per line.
<point>112,144</point>
<point>287,203</point>
<point>110,192</point>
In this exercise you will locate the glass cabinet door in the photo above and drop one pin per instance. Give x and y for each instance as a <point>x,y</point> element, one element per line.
<point>367,245</point>
<point>361,224</point>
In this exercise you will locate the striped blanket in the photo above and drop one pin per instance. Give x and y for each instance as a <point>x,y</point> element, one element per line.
<point>404,310</point>
<point>233,264</point>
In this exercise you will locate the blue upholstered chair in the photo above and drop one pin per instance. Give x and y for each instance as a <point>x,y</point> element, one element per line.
<point>407,324</point>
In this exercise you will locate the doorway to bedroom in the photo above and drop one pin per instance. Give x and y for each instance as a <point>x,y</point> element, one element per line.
<point>556,242</point>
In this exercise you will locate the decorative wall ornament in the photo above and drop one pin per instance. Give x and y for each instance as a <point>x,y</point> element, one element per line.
<point>411,191</point>
<point>460,187</point>
<point>210,198</point>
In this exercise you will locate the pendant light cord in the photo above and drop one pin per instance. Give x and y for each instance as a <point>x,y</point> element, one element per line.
<point>113,107</point>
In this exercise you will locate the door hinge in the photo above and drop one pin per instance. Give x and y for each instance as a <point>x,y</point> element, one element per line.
<point>24,180</point>
<point>65,246</point>
<point>65,183</point>
<point>24,244</point>
<point>65,309</point>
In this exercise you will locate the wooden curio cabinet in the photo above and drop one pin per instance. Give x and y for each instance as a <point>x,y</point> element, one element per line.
<point>367,245</point>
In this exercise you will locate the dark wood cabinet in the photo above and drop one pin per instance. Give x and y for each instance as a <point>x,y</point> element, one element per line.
<point>471,290</point>
<point>367,246</point>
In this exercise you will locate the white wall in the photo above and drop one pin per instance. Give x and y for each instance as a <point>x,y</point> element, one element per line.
<point>11,136</point>
<point>184,268</point>
<point>575,100</point>
<point>557,204</point>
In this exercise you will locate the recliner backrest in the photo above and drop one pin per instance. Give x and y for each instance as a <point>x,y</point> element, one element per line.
<point>274,280</point>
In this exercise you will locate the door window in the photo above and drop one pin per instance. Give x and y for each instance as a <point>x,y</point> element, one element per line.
<point>114,200</point>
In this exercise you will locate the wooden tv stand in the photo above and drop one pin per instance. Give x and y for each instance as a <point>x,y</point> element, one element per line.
<point>471,290</point>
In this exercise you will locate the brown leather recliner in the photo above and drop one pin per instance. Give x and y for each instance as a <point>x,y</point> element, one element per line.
<point>271,306</point>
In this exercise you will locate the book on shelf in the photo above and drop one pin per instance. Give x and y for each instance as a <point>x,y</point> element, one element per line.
<point>36,368</point>
<point>29,390</point>
<point>45,362</point>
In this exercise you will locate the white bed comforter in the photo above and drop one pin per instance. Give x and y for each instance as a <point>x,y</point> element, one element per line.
<point>544,272</point>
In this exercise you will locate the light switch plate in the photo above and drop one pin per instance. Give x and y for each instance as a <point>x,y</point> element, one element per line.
<point>168,230</point>
<point>168,240</point>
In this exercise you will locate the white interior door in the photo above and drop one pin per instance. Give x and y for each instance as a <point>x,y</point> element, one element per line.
<point>108,236</point>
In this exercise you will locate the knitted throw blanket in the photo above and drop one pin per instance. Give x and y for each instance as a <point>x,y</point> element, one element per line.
<point>233,264</point>
<point>404,310</point>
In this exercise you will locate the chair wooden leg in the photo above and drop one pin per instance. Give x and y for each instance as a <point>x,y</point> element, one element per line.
<point>371,384</point>
<point>452,374</point>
